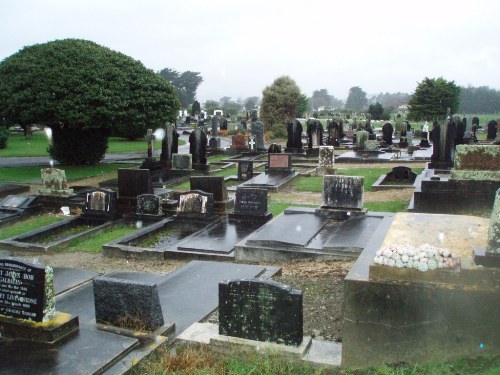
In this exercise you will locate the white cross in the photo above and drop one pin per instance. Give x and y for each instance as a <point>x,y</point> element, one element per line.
<point>251,143</point>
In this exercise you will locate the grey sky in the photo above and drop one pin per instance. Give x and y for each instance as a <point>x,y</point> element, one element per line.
<point>239,47</point>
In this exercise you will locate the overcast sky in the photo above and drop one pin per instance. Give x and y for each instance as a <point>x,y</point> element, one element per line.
<point>240,47</point>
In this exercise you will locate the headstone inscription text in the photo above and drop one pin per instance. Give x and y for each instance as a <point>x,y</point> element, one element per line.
<point>251,201</point>
<point>26,290</point>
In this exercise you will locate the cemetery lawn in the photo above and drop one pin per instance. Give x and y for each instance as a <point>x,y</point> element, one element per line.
<point>32,223</point>
<point>18,145</point>
<point>73,172</point>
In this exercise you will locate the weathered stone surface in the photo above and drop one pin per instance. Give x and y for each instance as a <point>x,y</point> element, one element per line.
<point>343,192</point>
<point>476,162</point>
<point>196,203</point>
<point>326,156</point>
<point>54,182</point>
<point>182,161</point>
<point>119,301</point>
<point>149,204</point>
<point>261,310</point>
<point>494,229</point>
<point>245,169</point>
<point>361,138</point>
<point>26,290</point>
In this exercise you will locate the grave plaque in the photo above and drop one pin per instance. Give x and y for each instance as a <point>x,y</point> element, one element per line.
<point>182,161</point>
<point>344,192</point>
<point>195,203</point>
<point>239,142</point>
<point>26,290</point>
<point>13,201</point>
<point>251,201</point>
<point>149,204</point>
<point>279,162</point>
<point>134,182</point>
<point>261,310</point>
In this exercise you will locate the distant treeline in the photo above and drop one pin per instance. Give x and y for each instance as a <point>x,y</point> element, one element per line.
<point>479,100</point>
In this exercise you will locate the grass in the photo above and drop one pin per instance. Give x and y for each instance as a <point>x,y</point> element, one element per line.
<point>386,206</point>
<point>25,226</point>
<point>32,173</point>
<point>93,244</point>
<point>18,145</point>
<point>203,361</point>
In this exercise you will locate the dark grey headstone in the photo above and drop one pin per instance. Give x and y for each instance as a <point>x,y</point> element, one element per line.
<point>343,192</point>
<point>245,170</point>
<point>117,300</point>
<point>148,204</point>
<point>261,310</point>
<point>212,143</point>
<point>210,184</point>
<point>196,203</point>
<point>182,161</point>
<point>134,182</point>
<point>251,201</point>
<point>26,290</point>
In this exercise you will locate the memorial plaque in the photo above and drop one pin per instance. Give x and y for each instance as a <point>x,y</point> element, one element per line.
<point>261,310</point>
<point>148,204</point>
<point>343,192</point>
<point>26,290</point>
<point>13,201</point>
<point>134,182</point>
<point>251,201</point>
<point>182,161</point>
<point>281,162</point>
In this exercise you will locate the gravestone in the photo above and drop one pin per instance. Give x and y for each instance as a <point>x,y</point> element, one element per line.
<point>54,183</point>
<point>239,143</point>
<point>274,149</point>
<point>26,290</point>
<point>14,206</point>
<point>214,141</point>
<point>169,143</point>
<point>182,162</point>
<point>124,302</point>
<point>261,310</point>
<point>134,182</point>
<point>245,169</point>
<point>424,140</point>
<point>251,204</point>
<point>257,132</point>
<point>494,229</point>
<point>361,138</point>
<point>371,145</point>
<point>342,192</point>
<point>101,203</point>
<point>198,146</point>
<point>149,204</point>
<point>294,132</point>
<point>387,131</point>
<point>314,134</point>
<point>210,184</point>
<point>326,157</point>
<point>195,204</point>
<point>492,130</point>
<point>279,163</point>
<point>149,137</point>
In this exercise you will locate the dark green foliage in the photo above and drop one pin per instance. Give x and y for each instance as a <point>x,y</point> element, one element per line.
<point>432,98</point>
<point>185,84</point>
<point>195,108</point>
<point>74,146</point>
<point>356,100</point>
<point>479,100</point>
<point>280,102</point>
<point>375,110</point>
<point>4,136</point>
<point>77,84</point>
<point>321,98</point>
<point>278,131</point>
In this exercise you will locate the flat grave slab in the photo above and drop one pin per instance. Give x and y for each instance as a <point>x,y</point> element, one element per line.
<point>69,278</point>
<point>360,156</point>
<point>273,182</point>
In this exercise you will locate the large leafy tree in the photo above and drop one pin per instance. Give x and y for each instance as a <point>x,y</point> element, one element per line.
<point>280,102</point>
<point>432,98</point>
<point>251,102</point>
<point>356,100</point>
<point>185,84</point>
<point>82,91</point>
<point>375,110</point>
<point>323,98</point>
<point>479,100</point>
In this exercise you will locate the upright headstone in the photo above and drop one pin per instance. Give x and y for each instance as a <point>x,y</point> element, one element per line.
<point>54,183</point>
<point>134,182</point>
<point>198,146</point>
<point>245,169</point>
<point>182,162</point>
<point>257,132</point>
<point>26,290</point>
<point>149,137</point>
<point>294,142</point>
<point>101,203</point>
<point>492,130</point>
<point>361,138</point>
<point>326,157</point>
<point>274,148</point>
<point>149,204</point>
<point>314,134</point>
<point>387,131</point>
<point>279,163</point>
<point>210,184</point>
<point>261,310</point>
<point>343,192</point>
<point>170,143</point>
<point>494,229</point>
<point>239,143</point>
<point>214,141</point>
<point>195,204</point>
<point>251,204</point>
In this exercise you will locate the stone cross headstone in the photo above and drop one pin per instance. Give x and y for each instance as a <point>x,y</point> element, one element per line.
<point>170,143</point>
<point>343,192</point>
<point>118,302</point>
<point>149,204</point>
<point>149,139</point>
<point>182,162</point>
<point>54,182</point>
<point>251,143</point>
<point>26,290</point>
<point>261,310</point>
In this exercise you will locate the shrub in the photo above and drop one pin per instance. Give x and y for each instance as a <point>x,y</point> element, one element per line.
<point>4,136</point>
<point>278,131</point>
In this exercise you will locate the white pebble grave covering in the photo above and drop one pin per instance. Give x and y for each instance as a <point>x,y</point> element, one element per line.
<point>423,258</point>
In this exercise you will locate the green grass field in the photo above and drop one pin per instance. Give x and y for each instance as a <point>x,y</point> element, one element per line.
<point>32,223</point>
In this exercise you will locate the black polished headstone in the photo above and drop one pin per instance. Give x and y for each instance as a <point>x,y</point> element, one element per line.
<point>134,182</point>
<point>182,161</point>
<point>251,201</point>
<point>245,169</point>
<point>343,192</point>
<point>210,184</point>
<point>117,301</point>
<point>261,310</point>
<point>23,290</point>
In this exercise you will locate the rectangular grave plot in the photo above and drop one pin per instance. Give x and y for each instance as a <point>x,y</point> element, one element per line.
<point>251,201</point>
<point>343,192</point>
<point>134,182</point>
<point>279,162</point>
<point>26,290</point>
<point>261,310</point>
<point>167,236</point>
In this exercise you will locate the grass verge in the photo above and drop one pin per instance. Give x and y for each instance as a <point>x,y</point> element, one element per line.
<point>32,223</point>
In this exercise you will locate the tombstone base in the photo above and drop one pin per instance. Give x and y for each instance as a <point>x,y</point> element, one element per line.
<point>223,206</point>
<point>299,151</point>
<point>340,213</point>
<point>61,326</point>
<point>264,218</point>
<point>201,167</point>
<point>483,258</point>
<point>320,171</point>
